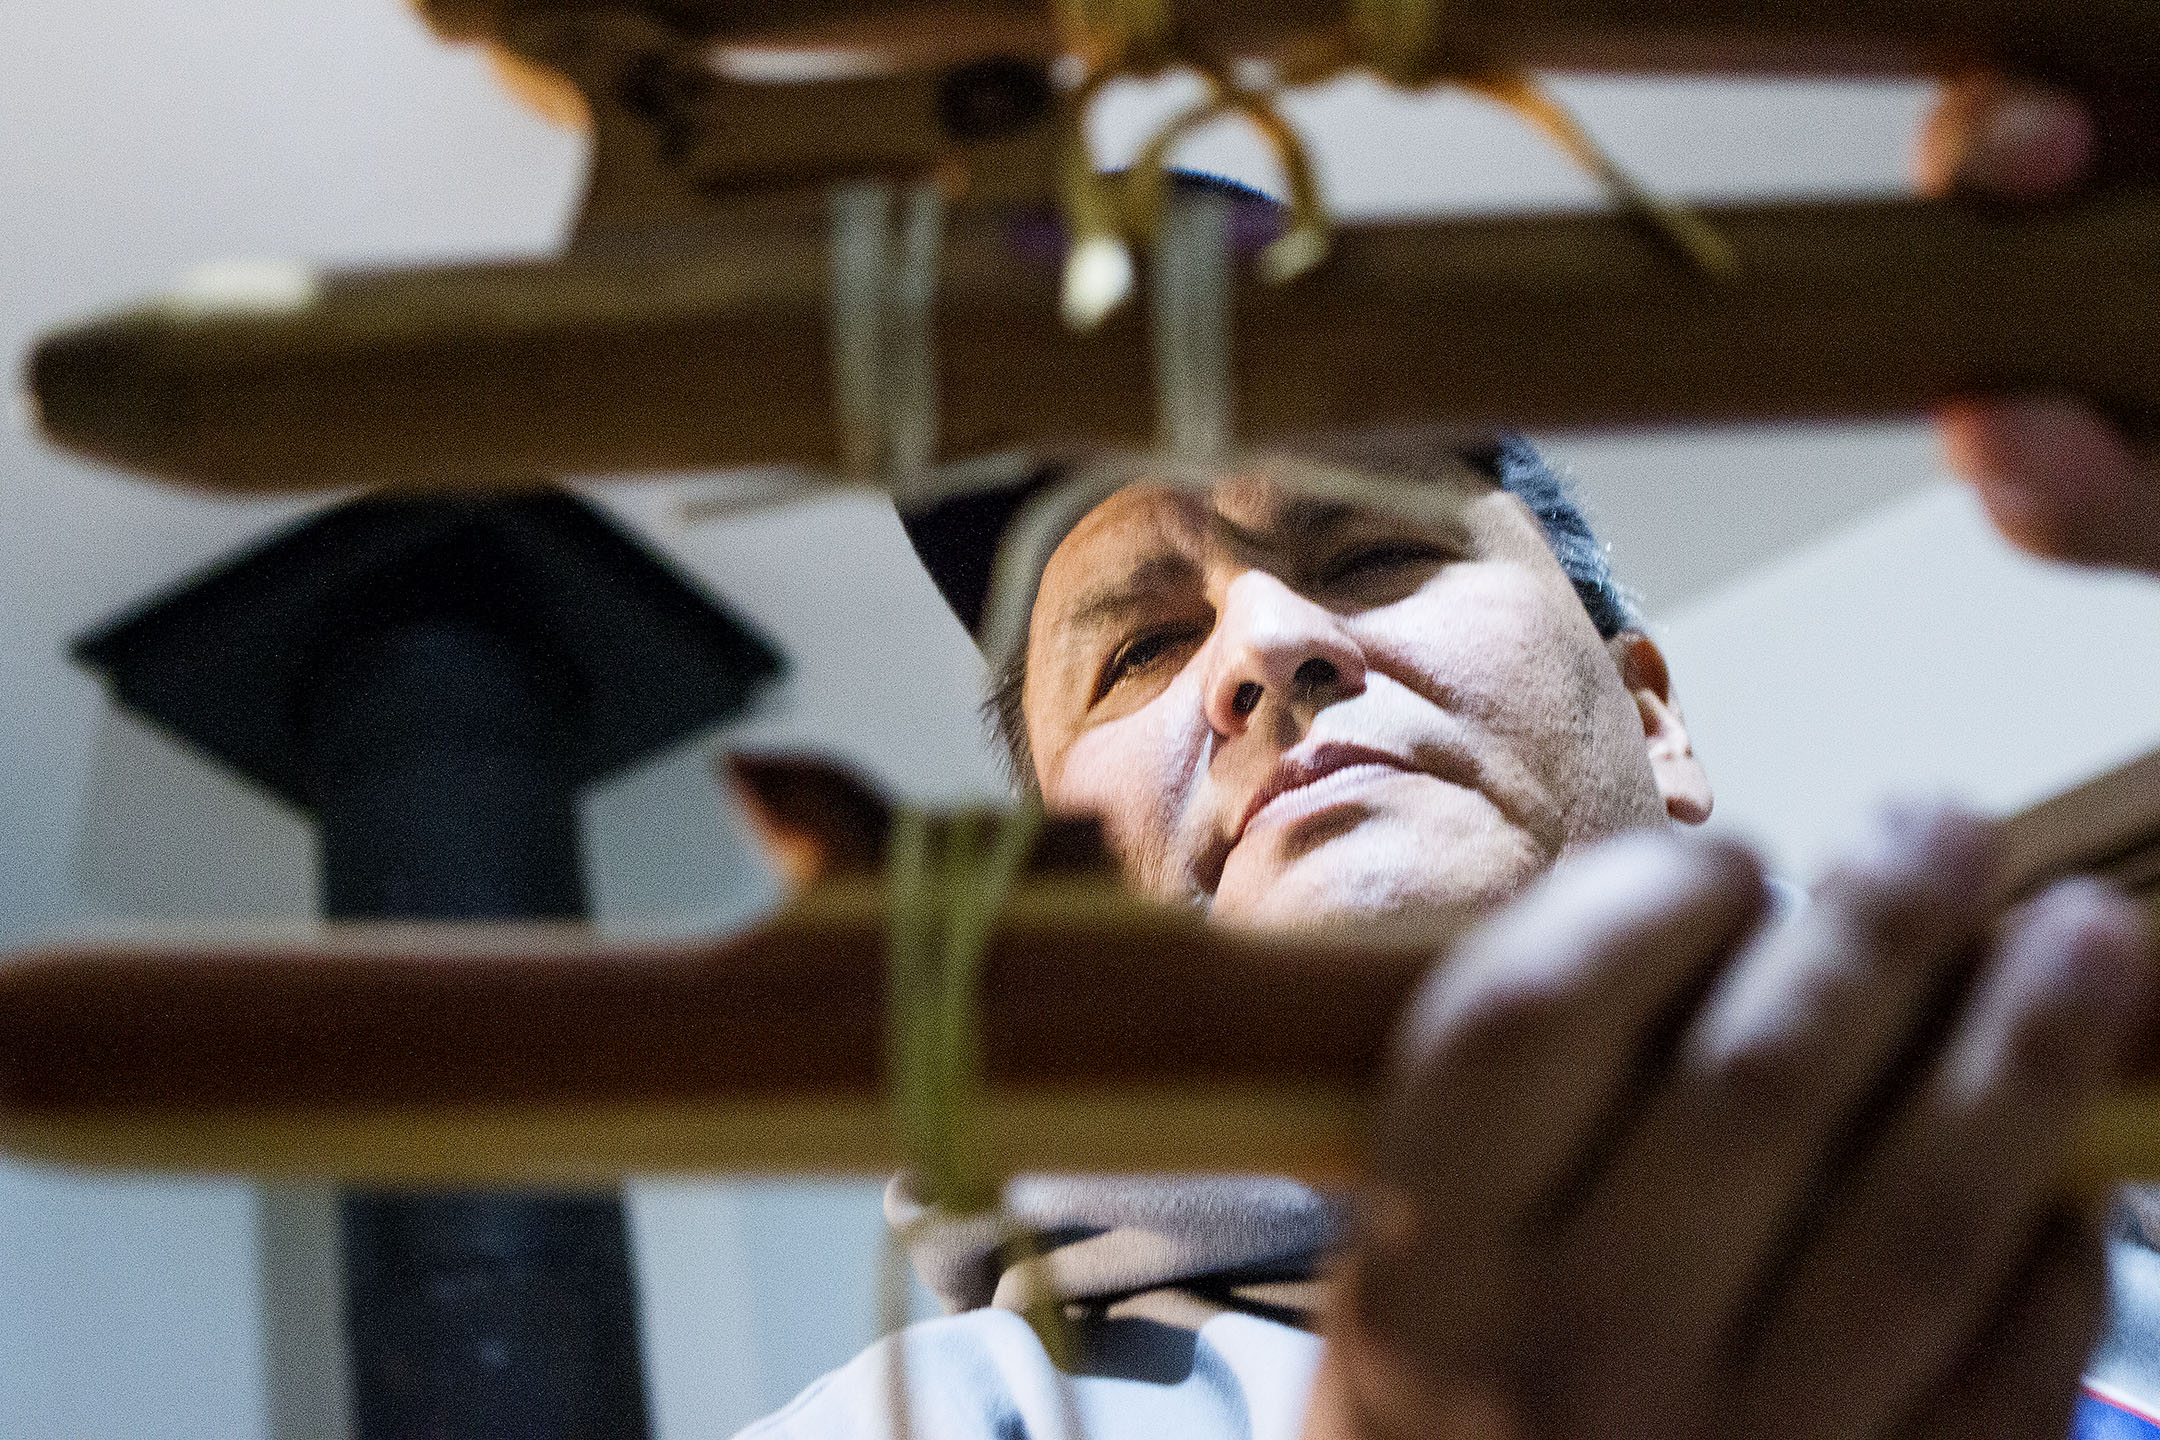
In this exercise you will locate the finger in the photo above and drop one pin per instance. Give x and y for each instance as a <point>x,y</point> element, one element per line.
<point>1791,1045</point>
<point>1512,1057</point>
<point>2058,480</point>
<point>2021,1379</point>
<point>1910,1257</point>
<point>1516,1048</point>
<point>2011,138</point>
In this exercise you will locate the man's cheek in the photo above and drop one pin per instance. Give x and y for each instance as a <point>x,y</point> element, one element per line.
<point>1125,774</point>
<point>1495,654</point>
<point>1087,777</point>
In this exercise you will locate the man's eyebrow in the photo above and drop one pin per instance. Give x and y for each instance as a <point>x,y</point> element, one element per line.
<point>1299,517</point>
<point>1106,603</point>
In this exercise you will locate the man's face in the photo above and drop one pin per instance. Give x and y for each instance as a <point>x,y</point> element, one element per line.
<point>1295,709</point>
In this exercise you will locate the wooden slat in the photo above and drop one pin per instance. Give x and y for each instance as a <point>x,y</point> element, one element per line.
<point>1116,1037</point>
<point>1116,1034</point>
<point>447,1061</point>
<point>1727,35</point>
<point>2109,824</point>
<point>717,356</point>
<point>487,1055</point>
<point>1311,1130</point>
<point>390,1017</point>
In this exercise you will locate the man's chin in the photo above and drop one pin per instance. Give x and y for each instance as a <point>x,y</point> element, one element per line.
<point>1370,881</point>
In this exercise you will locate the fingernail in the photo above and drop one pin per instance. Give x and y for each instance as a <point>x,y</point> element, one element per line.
<point>2030,144</point>
<point>1947,837</point>
<point>2109,944</point>
<point>2057,479</point>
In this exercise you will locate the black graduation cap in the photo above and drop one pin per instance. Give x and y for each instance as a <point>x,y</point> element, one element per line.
<point>644,657</point>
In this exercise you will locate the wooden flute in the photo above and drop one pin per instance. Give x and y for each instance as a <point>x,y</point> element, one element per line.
<point>1822,36</point>
<point>1115,1035</point>
<point>717,355</point>
<point>690,327</point>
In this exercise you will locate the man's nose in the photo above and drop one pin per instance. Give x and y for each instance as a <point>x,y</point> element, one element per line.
<point>1277,648</point>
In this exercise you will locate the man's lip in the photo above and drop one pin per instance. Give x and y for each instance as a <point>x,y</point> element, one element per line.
<point>1295,772</point>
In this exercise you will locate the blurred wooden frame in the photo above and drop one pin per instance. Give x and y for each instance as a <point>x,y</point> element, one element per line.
<point>1785,36</point>
<point>688,327</point>
<point>688,330</point>
<point>1116,1040</point>
<point>715,355</point>
<point>681,129</point>
<point>1116,1035</point>
<point>850,86</point>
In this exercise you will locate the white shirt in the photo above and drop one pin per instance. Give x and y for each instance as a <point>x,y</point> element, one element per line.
<point>984,1376</point>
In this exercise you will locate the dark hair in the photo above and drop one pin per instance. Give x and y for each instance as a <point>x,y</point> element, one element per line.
<point>1512,463</point>
<point>1584,559</point>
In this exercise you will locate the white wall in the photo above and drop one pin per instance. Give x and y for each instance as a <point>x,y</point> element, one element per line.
<point>146,137</point>
<point>1914,654</point>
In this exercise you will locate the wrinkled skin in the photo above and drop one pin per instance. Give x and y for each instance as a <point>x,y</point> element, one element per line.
<point>1424,690</point>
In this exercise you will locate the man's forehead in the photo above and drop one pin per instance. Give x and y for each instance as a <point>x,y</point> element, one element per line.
<point>1141,514</point>
<point>1247,509</point>
<point>1143,538</point>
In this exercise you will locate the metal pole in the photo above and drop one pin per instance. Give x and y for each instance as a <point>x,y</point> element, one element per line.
<point>440,755</point>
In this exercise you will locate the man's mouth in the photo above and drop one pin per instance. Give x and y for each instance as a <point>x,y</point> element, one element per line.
<point>1303,783</point>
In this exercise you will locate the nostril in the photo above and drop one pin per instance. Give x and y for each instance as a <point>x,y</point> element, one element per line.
<point>1245,699</point>
<point>1314,676</point>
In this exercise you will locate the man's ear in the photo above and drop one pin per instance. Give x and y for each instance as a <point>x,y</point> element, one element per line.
<point>1681,779</point>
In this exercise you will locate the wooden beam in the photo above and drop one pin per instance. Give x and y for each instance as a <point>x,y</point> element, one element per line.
<point>1815,36</point>
<point>407,1016</point>
<point>715,354</point>
<point>1115,1035</point>
<point>1115,1038</point>
<point>491,1055</point>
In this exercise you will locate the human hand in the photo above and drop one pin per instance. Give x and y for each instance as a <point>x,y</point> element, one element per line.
<point>1650,1166</point>
<point>2056,477</point>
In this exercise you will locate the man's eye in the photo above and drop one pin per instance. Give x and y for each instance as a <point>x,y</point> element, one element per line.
<point>1138,655</point>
